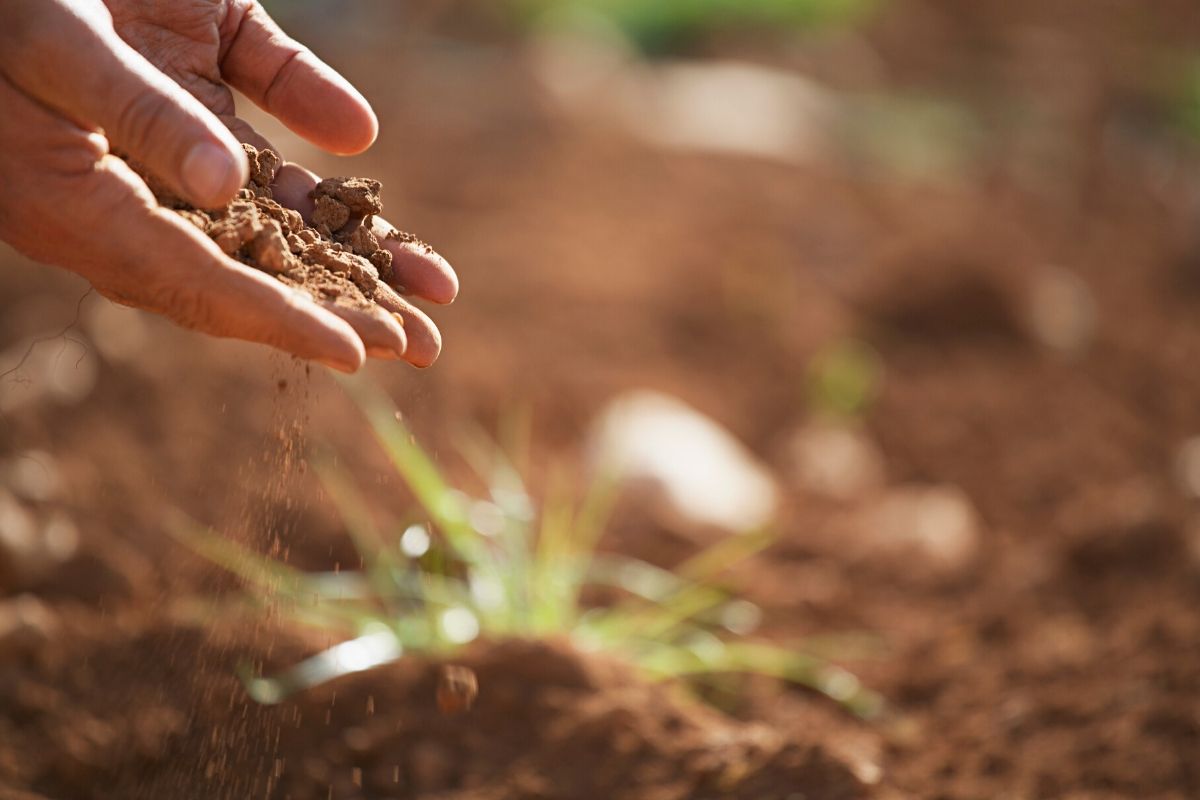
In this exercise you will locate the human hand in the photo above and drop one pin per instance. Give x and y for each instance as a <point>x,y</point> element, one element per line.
<point>151,78</point>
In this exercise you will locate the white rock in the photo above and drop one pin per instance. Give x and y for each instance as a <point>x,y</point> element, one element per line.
<point>31,548</point>
<point>1191,533</point>
<point>25,623</point>
<point>1061,311</point>
<point>18,530</point>
<point>696,471</point>
<point>32,475</point>
<point>728,107</point>
<point>838,461</point>
<point>1187,466</point>
<point>580,60</point>
<point>937,524</point>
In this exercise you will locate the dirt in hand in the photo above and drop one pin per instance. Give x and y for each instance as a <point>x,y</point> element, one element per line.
<point>457,689</point>
<point>335,258</point>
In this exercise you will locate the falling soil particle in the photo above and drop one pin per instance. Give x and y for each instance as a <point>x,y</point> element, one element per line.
<point>457,689</point>
<point>335,256</point>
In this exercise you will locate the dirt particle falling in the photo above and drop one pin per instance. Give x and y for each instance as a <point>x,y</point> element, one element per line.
<point>457,689</point>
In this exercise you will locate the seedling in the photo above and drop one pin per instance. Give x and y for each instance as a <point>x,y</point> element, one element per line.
<point>499,566</point>
<point>667,25</point>
<point>843,379</point>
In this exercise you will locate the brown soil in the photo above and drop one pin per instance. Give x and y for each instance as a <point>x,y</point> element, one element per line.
<point>1061,661</point>
<point>334,256</point>
<point>551,724</point>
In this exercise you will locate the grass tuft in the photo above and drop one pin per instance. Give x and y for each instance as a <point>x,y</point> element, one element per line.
<point>500,566</point>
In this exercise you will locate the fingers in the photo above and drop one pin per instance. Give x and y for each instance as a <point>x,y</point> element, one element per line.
<point>424,338</point>
<point>71,60</point>
<point>285,79</point>
<point>196,285</point>
<point>416,267</point>
<point>381,333</point>
<point>292,186</point>
<point>412,335</point>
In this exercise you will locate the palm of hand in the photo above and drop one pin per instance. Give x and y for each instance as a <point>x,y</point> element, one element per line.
<point>199,45</point>
<point>185,40</point>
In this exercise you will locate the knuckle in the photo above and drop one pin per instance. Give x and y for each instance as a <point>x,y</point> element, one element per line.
<point>140,120</point>
<point>184,304</point>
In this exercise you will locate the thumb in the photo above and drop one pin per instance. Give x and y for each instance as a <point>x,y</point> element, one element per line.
<point>76,63</point>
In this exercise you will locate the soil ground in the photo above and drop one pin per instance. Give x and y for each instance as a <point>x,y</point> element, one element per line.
<point>1062,660</point>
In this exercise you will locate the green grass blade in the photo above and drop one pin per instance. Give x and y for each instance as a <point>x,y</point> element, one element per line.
<point>381,561</point>
<point>254,568</point>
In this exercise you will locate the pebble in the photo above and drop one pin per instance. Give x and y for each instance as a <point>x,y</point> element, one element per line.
<point>1061,311</point>
<point>937,524</point>
<point>31,548</point>
<point>26,623</point>
<point>835,460</point>
<point>1187,467</point>
<point>695,473</point>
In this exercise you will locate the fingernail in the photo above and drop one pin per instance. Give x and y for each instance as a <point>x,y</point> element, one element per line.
<point>338,365</point>
<point>385,353</point>
<point>208,171</point>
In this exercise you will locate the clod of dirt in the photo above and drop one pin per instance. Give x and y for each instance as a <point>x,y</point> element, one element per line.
<point>457,689</point>
<point>32,545</point>
<point>25,624</point>
<point>335,258</point>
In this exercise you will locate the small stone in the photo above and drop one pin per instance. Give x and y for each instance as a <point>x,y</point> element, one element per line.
<point>1061,311</point>
<point>1191,533</point>
<point>457,689</point>
<point>695,474</point>
<point>1187,467</point>
<point>937,525</point>
<point>835,460</point>
<point>32,548</point>
<point>32,475</point>
<point>26,623</point>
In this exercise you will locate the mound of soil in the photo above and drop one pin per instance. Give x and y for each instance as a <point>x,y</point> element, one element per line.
<point>549,723</point>
<point>337,257</point>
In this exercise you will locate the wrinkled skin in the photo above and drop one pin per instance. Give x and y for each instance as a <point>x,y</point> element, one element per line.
<point>81,79</point>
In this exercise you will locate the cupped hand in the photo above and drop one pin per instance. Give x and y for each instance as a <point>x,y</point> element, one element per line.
<point>152,78</point>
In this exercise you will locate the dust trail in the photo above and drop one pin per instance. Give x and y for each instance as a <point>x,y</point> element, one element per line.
<point>266,523</point>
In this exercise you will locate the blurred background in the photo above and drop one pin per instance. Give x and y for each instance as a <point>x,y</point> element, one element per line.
<point>933,265</point>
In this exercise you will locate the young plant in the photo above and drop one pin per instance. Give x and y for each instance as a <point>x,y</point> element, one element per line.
<point>665,26</point>
<point>498,566</point>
